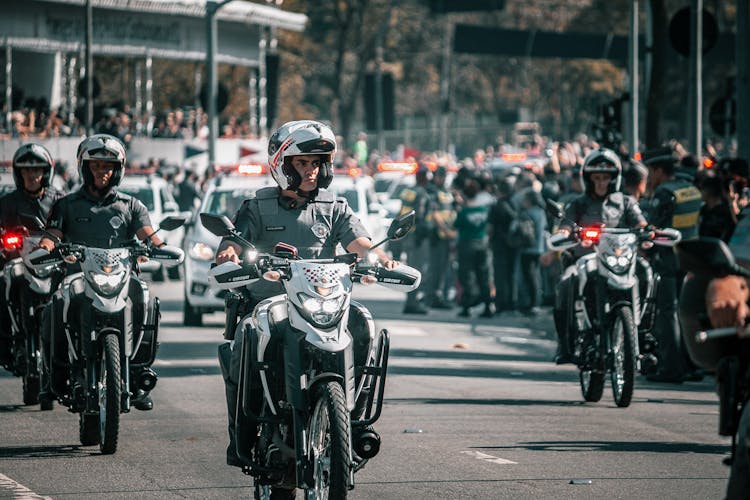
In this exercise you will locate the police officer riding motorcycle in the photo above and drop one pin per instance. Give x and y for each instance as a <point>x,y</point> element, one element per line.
<point>22,290</point>
<point>102,373</point>
<point>299,212</point>
<point>601,203</point>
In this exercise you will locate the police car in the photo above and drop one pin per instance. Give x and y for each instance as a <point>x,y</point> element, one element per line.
<point>224,196</point>
<point>153,191</point>
<point>7,184</point>
<point>359,192</point>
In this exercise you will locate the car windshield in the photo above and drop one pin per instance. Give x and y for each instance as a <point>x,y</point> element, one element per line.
<point>382,185</point>
<point>227,202</point>
<point>144,194</point>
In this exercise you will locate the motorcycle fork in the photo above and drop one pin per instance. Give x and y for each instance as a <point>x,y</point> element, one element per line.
<point>295,392</point>
<point>94,326</point>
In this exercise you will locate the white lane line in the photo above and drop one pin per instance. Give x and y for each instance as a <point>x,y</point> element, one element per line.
<point>488,458</point>
<point>18,491</point>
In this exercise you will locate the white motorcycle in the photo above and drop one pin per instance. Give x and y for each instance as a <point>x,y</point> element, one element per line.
<point>115,331</point>
<point>319,394</point>
<point>607,309</point>
<point>26,291</point>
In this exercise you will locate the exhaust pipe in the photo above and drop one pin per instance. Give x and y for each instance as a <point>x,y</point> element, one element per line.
<point>146,380</point>
<point>367,443</point>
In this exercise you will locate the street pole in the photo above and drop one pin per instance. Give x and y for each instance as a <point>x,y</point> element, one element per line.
<point>9,86</point>
<point>211,41</point>
<point>632,138</point>
<point>742,86</point>
<point>695,132</point>
<point>445,84</point>
<point>379,91</point>
<point>89,70</point>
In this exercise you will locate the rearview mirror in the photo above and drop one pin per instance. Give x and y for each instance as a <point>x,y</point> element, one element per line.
<point>708,256</point>
<point>401,225</point>
<point>172,222</point>
<point>218,225</point>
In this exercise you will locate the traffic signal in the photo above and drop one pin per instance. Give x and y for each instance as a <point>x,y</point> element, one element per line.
<point>388,101</point>
<point>679,31</point>
<point>272,86</point>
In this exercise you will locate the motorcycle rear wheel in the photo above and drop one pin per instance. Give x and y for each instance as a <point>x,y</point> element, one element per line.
<point>622,371</point>
<point>110,390</point>
<point>329,444</point>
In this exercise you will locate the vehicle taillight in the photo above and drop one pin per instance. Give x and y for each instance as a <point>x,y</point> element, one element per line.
<point>12,241</point>
<point>591,234</point>
<point>708,162</point>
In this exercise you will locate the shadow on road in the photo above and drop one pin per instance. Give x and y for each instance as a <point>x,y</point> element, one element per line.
<point>187,371</point>
<point>616,446</point>
<point>538,355</point>
<point>483,402</point>
<point>480,372</point>
<point>10,408</point>
<point>34,452</point>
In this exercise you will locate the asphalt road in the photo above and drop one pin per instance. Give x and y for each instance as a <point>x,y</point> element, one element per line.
<point>474,409</point>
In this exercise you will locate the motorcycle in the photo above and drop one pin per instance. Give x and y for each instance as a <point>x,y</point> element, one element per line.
<point>115,331</point>
<point>607,308</point>
<point>710,257</point>
<point>27,290</point>
<point>299,348</point>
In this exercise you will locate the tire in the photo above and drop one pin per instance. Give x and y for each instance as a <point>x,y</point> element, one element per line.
<point>622,371</point>
<point>173,273</point>
<point>110,391</point>
<point>329,433</point>
<point>30,389</point>
<point>158,275</point>
<point>190,316</point>
<point>88,429</point>
<point>592,385</point>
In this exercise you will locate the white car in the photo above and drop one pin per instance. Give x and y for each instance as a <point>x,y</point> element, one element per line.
<point>153,191</point>
<point>224,196</point>
<point>359,193</point>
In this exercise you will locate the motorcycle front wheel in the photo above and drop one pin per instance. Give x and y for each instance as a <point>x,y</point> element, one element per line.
<point>110,390</point>
<point>622,371</point>
<point>329,444</point>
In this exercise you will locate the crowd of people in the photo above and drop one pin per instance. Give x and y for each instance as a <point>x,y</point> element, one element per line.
<point>37,120</point>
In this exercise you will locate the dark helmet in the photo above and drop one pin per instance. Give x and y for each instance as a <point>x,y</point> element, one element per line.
<point>603,161</point>
<point>662,157</point>
<point>297,138</point>
<point>32,156</point>
<point>102,147</point>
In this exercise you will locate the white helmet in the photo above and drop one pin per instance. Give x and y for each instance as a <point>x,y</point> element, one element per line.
<point>302,137</point>
<point>101,147</point>
<point>603,161</point>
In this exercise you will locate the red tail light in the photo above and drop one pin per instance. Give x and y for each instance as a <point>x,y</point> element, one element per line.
<point>12,241</point>
<point>591,234</point>
<point>708,162</point>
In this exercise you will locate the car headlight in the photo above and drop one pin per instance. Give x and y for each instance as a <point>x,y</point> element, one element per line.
<point>108,284</point>
<point>322,312</point>
<point>201,251</point>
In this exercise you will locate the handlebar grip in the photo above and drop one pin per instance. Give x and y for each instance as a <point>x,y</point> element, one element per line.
<point>706,335</point>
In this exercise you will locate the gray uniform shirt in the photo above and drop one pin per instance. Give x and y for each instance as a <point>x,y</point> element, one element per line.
<point>315,228</point>
<point>109,222</point>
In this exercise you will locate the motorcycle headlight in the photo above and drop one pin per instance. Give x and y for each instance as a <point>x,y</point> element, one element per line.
<point>42,272</point>
<point>322,312</point>
<point>108,284</point>
<point>201,251</point>
<point>621,263</point>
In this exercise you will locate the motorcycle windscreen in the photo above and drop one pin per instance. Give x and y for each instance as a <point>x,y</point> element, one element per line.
<point>402,279</point>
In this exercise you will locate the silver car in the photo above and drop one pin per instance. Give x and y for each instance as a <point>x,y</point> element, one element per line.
<point>224,196</point>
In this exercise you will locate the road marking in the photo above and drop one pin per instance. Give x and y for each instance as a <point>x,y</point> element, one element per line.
<point>18,491</point>
<point>488,458</point>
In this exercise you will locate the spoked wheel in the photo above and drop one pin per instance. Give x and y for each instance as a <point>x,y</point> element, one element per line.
<point>623,356</point>
<point>329,444</point>
<point>110,390</point>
